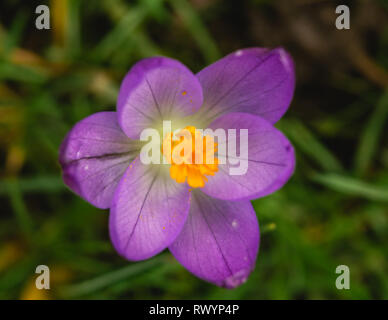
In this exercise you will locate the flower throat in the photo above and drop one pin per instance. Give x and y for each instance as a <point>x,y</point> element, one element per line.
<point>191,156</point>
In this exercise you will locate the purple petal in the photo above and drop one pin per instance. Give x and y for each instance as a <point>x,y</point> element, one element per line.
<point>256,80</point>
<point>94,156</point>
<point>270,159</point>
<point>155,89</point>
<point>148,212</point>
<point>220,240</point>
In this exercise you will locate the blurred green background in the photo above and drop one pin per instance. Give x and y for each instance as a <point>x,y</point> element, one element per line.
<point>333,211</point>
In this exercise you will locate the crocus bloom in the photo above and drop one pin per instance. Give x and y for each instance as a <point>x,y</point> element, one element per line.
<point>202,214</point>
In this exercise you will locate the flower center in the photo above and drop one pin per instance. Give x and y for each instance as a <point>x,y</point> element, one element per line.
<point>191,156</point>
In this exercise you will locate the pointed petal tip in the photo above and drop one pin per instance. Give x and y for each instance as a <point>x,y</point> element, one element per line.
<point>285,59</point>
<point>219,242</point>
<point>259,81</point>
<point>236,279</point>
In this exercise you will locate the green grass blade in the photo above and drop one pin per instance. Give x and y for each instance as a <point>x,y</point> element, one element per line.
<point>42,184</point>
<point>369,140</point>
<point>306,141</point>
<point>352,186</point>
<point>19,207</point>
<point>121,33</point>
<point>103,281</point>
<point>74,42</point>
<point>197,29</point>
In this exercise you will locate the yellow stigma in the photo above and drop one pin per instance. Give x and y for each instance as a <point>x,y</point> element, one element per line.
<point>191,156</point>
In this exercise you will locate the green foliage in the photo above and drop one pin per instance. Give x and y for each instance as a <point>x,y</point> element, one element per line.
<point>332,212</point>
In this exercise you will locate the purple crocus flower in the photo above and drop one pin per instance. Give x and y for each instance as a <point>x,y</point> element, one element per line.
<point>208,223</point>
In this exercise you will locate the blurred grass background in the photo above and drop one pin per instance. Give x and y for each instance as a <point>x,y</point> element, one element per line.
<point>333,211</point>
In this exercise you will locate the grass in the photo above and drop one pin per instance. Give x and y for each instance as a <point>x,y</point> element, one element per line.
<point>332,212</point>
